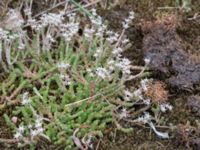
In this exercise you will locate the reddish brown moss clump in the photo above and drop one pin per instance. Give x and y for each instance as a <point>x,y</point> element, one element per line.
<point>156,92</point>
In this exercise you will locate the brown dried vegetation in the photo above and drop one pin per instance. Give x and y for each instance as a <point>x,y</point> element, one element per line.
<point>156,92</point>
<point>188,136</point>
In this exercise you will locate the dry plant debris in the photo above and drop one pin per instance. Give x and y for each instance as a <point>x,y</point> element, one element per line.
<point>188,136</point>
<point>156,92</point>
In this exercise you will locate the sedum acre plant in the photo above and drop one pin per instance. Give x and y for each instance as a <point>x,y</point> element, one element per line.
<point>66,85</point>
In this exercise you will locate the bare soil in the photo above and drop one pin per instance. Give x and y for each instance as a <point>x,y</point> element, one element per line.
<point>170,38</point>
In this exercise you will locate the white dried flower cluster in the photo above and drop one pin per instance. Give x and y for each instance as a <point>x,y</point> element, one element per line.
<point>19,133</point>
<point>138,93</point>
<point>117,51</point>
<point>125,41</point>
<point>90,72</point>
<point>34,24</point>
<point>51,19</point>
<point>63,65</point>
<point>25,99</point>
<point>111,65</point>
<point>112,37</point>
<point>124,64</point>
<point>11,33</point>
<point>116,62</point>
<point>101,30</point>
<point>37,129</point>
<point>27,11</point>
<point>124,113</point>
<point>14,20</point>
<point>66,79</point>
<point>128,95</point>
<point>143,87</point>
<point>3,34</point>
<point>165,107</point>
<point>69,29</point>
<point>95,19</point>
<point>103,73</point>
<point>7,36</point>
<point>127,21</point>
<point>144,84</point>
<point>147,61</point>
<point>98,28</point>
<point>147,101</point>
<point>31,130</point>
<point>88,33</point>
<point>34,129</point>
<point>119,64</point>
<point>52,26</point>
<point>98,52</point>
<point>146,118</point>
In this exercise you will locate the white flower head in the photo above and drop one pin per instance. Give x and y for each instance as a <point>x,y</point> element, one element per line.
<point>165,107</point>
<point>39,119</point>
<point>147,61</point>
<point>125,41</point>
<point>145,118</point>
<point>21,129</point>
<point>131,15</point>
<point>34,133</point>
<point>144,83</point>
<point>124,65</point>
<point>117,51</point>
<point>127,95</point>
<point>66,79</point>
<point>90,72</point>
<point>38,124</point>
<point>124,113</point>
<point>98,52</point>
<point>147,101</point>
<point>138,93</point>
<point>111,64</point>
<point>40,130</point>
<point>52,19</point>
<point>63,65</point>
<point>102,72</point>
<point>125,25</point>
<point>89,33</point>
<point>94,11</point>
<point>25,99</point>
<point>17,135</point>
<point>127,21</point>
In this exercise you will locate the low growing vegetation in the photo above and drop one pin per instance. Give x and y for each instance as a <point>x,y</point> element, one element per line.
<point>66,85</point>
<point>65,78</point>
